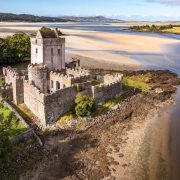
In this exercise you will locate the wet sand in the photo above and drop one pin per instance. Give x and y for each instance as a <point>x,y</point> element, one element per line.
<point>99,48</point>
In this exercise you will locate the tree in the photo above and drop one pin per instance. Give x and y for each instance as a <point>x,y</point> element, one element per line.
<point>84,105</point>
<point>19,44</point>
<point>5,125</point>
<point>14,49</point>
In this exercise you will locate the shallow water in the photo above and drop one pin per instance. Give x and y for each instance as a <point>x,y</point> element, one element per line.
<point>168,59</point>
<point>174,144</point>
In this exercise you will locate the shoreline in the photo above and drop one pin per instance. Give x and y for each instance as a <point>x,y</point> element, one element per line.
<point>153,32</point>
<point>116,50</point>
<point>154,145</point>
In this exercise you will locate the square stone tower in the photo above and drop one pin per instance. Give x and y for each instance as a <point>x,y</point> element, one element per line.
<point>48,48</point>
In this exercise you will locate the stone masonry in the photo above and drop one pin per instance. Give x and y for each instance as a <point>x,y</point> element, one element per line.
<point>49,86</point>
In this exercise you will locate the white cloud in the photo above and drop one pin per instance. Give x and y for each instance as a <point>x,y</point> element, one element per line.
<point>173,2</point>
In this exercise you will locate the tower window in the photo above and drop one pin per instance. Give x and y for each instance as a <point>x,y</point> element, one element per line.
<point>36,50</point>
<point>52,84</point>
<point>51,51</point>
<point>36,41</point>
<point>59,51</point>
<point>57,85</point>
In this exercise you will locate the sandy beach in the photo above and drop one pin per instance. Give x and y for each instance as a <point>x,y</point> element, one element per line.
<point>103,49</point>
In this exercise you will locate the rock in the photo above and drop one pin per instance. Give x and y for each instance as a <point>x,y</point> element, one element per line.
<point>121,155</point>
<point>158,90</point>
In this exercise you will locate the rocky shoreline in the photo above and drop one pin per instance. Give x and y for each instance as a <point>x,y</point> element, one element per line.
<point>110,145</point>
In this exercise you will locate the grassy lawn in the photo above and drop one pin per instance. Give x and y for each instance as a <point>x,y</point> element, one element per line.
<point>107,105</point>
<point>68,118</point>
<point>15,126</point>
<point>139,82</point>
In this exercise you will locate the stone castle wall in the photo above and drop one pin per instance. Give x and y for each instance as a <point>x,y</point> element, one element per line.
<point>77,72</point>
<point>63,80</point>
<point>108,79</point>
<point>106,92</point>
<point>18,90</point>
<point>58,103</point>
<point>16,79</point>
<point>34,100</point>
<point>6,91</point>
<point>48,107</point>
<point>66,80</point>
<point>38,75</point>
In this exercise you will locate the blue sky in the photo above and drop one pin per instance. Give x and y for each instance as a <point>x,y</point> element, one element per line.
<point>124,9</point>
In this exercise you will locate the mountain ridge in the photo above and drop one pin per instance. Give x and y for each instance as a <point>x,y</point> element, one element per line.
<point>11,17</point>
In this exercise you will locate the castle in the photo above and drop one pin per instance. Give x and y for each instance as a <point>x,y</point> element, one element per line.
<point>49,86</point>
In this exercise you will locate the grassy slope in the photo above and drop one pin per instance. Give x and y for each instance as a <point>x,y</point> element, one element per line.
<point>139,82</point>
<point>17,127</point>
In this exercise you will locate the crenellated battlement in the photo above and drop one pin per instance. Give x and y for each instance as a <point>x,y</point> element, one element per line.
<point>37,67</point>
<point>59,92</point>
<point>109,79</point>
<point>59,75</point>
<point>67,76</point>
<point>106,91</point>
<point>31,88</point>
<point>52,41</point>
<point>101,86</point>
<point>78,71</point>
<point>9,71</point>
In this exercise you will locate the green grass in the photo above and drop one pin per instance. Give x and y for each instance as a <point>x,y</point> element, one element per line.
<point>139,82</point>
<point>108,105</point>
<point>16,127</point>
<point>2,80</point>
<point>64,119</point>
<point>14,152</point>
<point>95,83</point>
<point>69,117</point>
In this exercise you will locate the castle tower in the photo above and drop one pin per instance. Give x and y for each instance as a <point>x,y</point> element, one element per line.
<point>49,49</point>
<point>38,76</point>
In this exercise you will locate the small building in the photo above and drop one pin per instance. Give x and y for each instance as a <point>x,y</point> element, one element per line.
<point>49,49</point>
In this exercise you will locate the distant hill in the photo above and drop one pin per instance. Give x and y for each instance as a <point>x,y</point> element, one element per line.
<point>32,18</point>
<point>29,18</point>
<point>92,19</point>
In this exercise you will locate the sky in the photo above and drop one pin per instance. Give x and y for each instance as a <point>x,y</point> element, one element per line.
<point>152,10</point>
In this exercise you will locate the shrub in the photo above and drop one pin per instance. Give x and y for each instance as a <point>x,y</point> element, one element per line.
<point>139,82</point>
<point>84,105</point>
